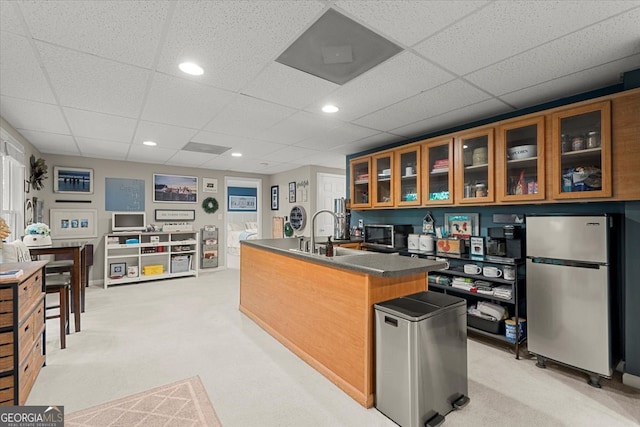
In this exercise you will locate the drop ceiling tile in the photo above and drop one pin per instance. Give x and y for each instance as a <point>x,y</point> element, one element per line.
<point>144,154</point>
<point>103,149</point>
<point>89,124</point>
<point>10,19</point>
<point>128,32</point>
<point>289,154</point>
<point>33,115</point>
<point>342,134</point>
<point>511,28</point>
<point>191,159</point>
<point>461,116</point>
<point>248,117</point>
<point>287,86</point>
<point>20,72</point>
<point>447,97</point>
<point>182,102</point>
<point>219,163</point>
<point>165,136</point>
<point>233,41</point>
<point>298,127</point>
<point>401,77</point>
<point>273,168</point>
<point>327,159</point>
<point>378,140</point>
<point>582,81</point>
<point>90,83</point>
<point>250,148</point>
<point>408,21</point>
<point>51,143</point>
<point>578,51</point>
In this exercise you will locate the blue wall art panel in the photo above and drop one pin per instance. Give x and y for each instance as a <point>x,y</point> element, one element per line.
<point>124,194</point>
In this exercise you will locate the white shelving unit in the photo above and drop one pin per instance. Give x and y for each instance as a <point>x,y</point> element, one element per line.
<point>177,252</point>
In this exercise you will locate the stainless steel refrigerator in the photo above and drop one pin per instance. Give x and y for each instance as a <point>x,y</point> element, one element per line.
<point>568,288</point>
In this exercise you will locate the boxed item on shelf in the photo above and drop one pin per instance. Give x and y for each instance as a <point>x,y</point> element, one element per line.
<point>180,263</point>
<point>148,270</point>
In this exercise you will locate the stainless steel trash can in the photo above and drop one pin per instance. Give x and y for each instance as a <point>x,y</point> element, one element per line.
<point>421,358</point>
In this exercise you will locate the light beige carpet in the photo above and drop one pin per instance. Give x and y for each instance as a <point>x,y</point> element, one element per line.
<point>180,404</point>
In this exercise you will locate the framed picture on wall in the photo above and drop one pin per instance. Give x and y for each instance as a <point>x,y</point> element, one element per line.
<point>73,223</point>
<point>292,192</point>
<point>274,197</point>
<point>72,180</point>
<point>175,188</point>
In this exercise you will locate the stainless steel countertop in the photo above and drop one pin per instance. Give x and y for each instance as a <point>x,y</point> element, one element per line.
<point>374,263</point>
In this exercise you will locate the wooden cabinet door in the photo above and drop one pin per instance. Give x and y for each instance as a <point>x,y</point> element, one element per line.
<point>581,152</point>
<point>406,177</point>
<point>360,177</point>
<point>382,182</point>
<point>520,161</point>
<point>437,174</point>
<point>474,166</point>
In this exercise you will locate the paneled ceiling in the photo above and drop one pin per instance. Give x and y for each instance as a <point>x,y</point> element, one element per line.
<point>97,78</point>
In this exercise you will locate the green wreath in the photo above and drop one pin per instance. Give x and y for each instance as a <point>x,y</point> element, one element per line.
<point>210,205</point>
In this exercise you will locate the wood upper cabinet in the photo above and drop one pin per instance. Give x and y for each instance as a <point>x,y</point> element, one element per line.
<point>360,188</point>
<point>520,160</point>
<point>474,166</point>
<point>381,182</point>
<point>437,173</point>
<point>581,152</point>
<point>406,176</point>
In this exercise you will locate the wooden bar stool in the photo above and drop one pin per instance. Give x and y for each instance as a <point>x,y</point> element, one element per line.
<point>59,284</point>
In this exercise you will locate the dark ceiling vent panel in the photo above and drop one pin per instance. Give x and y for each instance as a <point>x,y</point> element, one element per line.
<point>337,49</point>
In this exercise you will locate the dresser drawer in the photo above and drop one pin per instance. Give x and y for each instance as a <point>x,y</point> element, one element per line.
<point>29,293</point>
<point>30,330</point>
<point>6,307</point>
<point>29,370</point>
<point>6,351</point>
<point>7,389</point>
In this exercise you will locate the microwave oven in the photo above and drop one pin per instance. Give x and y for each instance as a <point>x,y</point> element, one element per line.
<point>387,236</point>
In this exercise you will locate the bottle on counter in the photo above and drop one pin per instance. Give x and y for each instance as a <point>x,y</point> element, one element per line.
<point>329,251</point>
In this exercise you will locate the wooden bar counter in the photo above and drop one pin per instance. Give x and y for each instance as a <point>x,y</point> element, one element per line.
<point>322,308</point>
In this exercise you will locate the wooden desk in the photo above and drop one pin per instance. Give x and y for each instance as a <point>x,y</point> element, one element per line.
<point>76,251</point>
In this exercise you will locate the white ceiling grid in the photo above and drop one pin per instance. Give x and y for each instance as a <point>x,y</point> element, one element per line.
<point>95,79</point>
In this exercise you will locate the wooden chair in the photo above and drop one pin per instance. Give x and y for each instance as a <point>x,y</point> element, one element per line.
<point>59,284</point>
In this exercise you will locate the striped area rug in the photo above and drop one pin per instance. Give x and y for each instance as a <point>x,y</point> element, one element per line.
<point>183,403</point>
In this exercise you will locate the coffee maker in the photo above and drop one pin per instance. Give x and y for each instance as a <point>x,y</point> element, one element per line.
<point>341,228</point>
<point>507,241</point>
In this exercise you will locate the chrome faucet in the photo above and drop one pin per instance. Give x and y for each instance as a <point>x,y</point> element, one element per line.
<point>313,227</point>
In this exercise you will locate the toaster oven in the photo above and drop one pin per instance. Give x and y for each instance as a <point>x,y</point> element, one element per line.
<point>387,236</point>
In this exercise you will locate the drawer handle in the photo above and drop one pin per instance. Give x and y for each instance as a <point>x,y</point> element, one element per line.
<point>26,368</point>
<point>26,328</point>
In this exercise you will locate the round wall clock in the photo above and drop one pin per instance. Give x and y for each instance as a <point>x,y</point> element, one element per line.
<point>298,217</point>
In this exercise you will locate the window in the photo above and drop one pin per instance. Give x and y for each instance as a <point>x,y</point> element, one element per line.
<point>12,170</point>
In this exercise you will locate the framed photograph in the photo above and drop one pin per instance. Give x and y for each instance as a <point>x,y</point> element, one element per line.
<point>462,225</point>
<point>117,270</point>
<point>292,192</point>
<point>175,188</point>
<point>175,215</point>
<point>274,197</point>
<point>72,180</point>
<point>209,185</point>
<point>73,223</point>
<point>476,244</point>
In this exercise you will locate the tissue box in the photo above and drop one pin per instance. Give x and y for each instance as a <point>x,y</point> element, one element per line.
<point>451,246</point>
<point>149,270</point>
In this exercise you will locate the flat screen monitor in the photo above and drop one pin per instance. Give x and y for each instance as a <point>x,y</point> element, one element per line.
<point>128,221</point>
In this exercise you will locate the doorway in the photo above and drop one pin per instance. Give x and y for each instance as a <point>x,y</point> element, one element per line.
<point>243,217</point>
<point>330,186</point>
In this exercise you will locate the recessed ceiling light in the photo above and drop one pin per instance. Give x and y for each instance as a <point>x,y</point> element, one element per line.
<point>150,143</point>
<point>191,68</point>
<point>236,154</point>
<point>330,109</point>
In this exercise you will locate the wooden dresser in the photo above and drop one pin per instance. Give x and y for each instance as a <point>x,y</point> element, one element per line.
<point>22,324</point>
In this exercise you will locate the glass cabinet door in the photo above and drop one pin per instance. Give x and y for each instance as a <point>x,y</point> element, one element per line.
<point>520,160</point>
<point>437,177</point>
<point>582,152</point>
<point>382,183</point>
<point>407,176</point>
<point>474,167</point>
<point>360,179</point>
